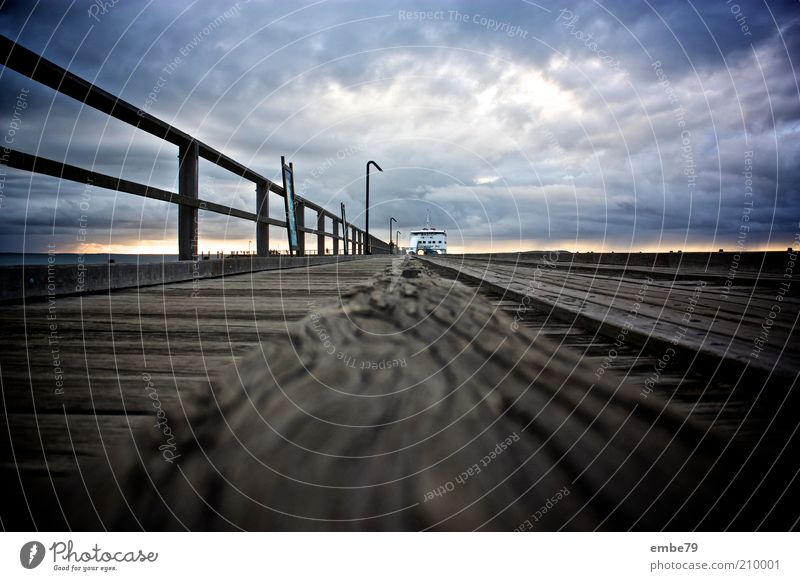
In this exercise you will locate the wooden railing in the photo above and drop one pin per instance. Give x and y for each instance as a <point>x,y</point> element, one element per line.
<point>190,150</point>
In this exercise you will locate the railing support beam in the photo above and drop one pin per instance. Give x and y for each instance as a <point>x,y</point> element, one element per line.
<point>300,213</point>
<point>335,237</point>
<point>188,185</point>
<point>262,209</point>
<point>18,58</point>
<point>320,234</point>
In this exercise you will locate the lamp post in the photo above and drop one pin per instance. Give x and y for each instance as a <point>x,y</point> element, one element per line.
<point>390,234</point>
<point>396,236</point>
<point>366,230</point>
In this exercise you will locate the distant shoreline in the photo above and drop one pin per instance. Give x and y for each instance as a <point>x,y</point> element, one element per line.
<point>37,258</point>
<point>67,258</point>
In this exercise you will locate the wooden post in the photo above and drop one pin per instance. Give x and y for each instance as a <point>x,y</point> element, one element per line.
<point>300,213</point>
<point>353,241</point>
<point>320,233</point>
<point>188,185</point>
<point>262,209</point>
<point>335,237</point>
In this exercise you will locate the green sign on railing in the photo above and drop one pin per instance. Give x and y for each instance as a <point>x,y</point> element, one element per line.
<point>291,216</point>
<point>344,229</point>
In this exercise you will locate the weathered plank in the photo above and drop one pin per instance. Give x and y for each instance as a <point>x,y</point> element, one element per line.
<point>398,433</point>
<point>688,314</point>
<point>113,353</point>
<point>478,426</point>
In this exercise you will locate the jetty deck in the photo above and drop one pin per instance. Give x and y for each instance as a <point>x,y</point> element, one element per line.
<point>357,390</point>
<point>722,346</point>
<point>398,393</point>
<point>80,374</point>
<point>692,309</point>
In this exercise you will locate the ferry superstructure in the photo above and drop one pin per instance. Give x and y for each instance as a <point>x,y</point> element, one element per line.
<point>428,240</point>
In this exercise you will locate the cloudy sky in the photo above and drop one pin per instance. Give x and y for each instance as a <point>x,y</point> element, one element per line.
<point>604,125</point>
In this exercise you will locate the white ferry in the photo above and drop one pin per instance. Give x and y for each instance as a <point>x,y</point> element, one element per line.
<point>428,240</point>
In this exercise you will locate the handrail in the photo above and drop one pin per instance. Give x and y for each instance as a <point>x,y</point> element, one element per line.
<point>44,166</point>
<point>26,62</point>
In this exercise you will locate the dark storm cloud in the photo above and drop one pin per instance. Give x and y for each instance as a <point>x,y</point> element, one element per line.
<point>542,124</point>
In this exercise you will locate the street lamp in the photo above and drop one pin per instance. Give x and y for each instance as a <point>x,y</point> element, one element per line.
<point>390,234</point>
<point>369,249</point>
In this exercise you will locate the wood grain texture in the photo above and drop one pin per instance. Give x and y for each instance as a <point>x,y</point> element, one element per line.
<point>293,402</point>
<point>480,427</point>
<point>690,310</point>
<point>177,335</point>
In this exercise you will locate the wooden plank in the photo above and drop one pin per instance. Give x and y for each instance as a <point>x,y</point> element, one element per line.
<point>724,329</point>
<point>16,57</point>
<point>44,166</point>
<point>111,347</point>
<point>296,437</point>
<point>276,432</point>
<point>188,187</point>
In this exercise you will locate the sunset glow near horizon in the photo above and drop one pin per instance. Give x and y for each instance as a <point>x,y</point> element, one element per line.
<point>521,126</point>
<point>230,246</point>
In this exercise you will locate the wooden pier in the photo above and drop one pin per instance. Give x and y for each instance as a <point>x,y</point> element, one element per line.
<point>366,391</point>
<point>395,393</point>
<point>75,369</point>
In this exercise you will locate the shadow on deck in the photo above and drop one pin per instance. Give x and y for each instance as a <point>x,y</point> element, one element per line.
<point>335,398</point>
